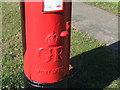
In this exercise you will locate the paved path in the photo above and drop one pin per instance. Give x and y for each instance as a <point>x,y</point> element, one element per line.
<point>95,22</point>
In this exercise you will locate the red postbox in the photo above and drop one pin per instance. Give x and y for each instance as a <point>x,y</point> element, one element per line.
<point>46,41</point>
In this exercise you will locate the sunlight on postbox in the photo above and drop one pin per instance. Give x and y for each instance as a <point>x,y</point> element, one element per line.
<point>46,40</point>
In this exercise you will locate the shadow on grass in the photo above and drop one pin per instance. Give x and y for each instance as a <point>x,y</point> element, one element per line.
<point>95,69</point>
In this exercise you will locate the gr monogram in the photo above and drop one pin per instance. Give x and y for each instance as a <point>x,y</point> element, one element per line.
<point>51,53</point>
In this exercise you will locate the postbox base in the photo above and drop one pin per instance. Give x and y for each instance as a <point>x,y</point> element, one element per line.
<point>33,84</point>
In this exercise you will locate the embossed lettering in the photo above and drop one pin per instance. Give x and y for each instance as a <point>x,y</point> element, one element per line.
<point>51,53</point>
<point>52,71</point>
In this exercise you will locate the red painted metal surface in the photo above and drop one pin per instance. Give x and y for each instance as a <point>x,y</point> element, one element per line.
<point>46,42</point>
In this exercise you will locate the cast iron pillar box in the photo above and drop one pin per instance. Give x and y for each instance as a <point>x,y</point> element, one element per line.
<point>46,42</point>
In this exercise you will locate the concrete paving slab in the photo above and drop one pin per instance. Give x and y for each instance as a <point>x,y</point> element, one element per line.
<point>99,24</point>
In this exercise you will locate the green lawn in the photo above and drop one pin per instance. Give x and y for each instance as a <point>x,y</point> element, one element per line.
<point>111,7</point>
<point>97,64</point>
<point>12,61</point>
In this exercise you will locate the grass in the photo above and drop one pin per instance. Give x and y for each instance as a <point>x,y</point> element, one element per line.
<point>96,65</point>
<point>82,43</point>
<point>10,25</point>
<point>111,7</point>
<point>12,65</point>
<point>85,48</point>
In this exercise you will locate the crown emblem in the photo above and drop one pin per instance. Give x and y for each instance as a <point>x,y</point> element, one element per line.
<point>52,38</point>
